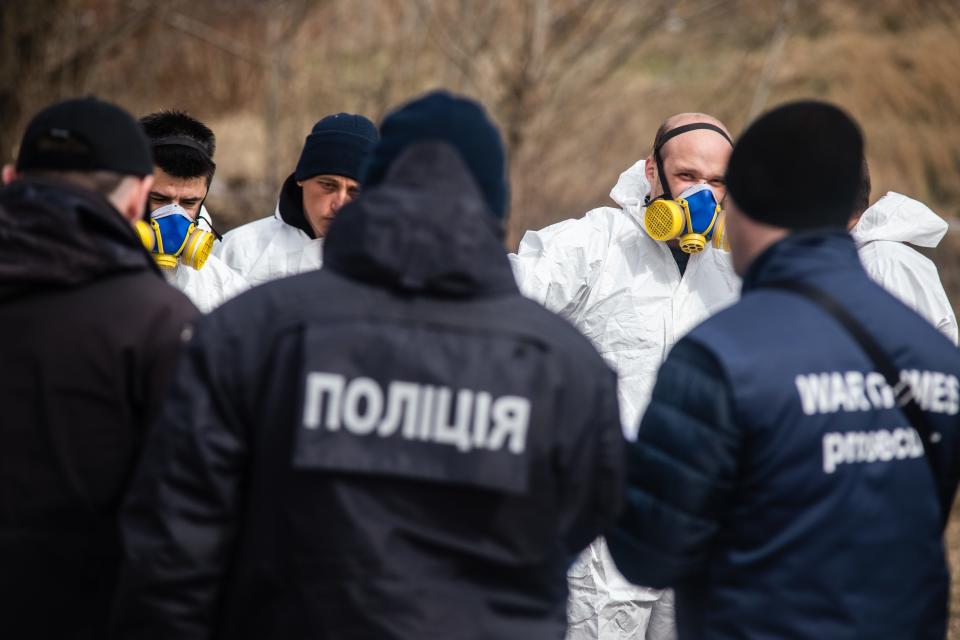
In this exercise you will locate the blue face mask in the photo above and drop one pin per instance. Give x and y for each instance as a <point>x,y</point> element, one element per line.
<point>173,236</point>
<point>695,217</point>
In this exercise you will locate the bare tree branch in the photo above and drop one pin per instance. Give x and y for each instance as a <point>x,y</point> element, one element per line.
<point>774,51</point>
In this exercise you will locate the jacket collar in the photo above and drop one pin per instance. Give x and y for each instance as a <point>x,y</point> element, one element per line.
<point>425,229</point>
<point>803,255</point>
<point>56,235</point>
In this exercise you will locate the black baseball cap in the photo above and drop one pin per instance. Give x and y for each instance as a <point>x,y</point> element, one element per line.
<point>85,134</point>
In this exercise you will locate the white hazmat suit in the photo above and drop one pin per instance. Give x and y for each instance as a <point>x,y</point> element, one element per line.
<point>269,248</point>
<point>881,234</point>
<point>212,285</point>
<point>624,291</point>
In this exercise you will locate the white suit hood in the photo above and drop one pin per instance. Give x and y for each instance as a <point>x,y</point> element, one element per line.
<point>881,234</point>
<point>632,188</point>
<point>269,248</point>
<point>624,291</point>
<point>897,218</point>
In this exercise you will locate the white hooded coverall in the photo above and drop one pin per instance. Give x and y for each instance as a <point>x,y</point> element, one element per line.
<point>210,286</point>
<point>881,234</point>
<point>624,291</point>
<point>269,248</point>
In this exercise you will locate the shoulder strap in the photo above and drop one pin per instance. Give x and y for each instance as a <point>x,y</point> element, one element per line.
<point>903,394</point>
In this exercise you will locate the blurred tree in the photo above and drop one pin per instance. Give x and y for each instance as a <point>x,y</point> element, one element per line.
<point>50,49</point>
<point>537,64</point>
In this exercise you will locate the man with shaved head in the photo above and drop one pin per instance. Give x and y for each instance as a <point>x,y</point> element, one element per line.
<point>635,279</point>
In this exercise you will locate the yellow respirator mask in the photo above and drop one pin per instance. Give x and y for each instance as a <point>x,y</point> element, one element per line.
<point>695,218</point>
<point>172,236</point>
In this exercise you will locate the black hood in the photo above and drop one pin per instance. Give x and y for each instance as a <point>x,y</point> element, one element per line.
<point>424,229</point>
<point>290,205</point>
<point>57,235</point>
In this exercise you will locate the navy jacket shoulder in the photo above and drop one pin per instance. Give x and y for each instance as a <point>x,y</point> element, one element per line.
<point>790,471</point>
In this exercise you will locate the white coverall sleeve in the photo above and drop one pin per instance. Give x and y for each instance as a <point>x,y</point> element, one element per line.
<point>241,247</point>
<point>558,265</point>
<point>211,286</point>
<point>913,279</point>
<point>881,235</point>
<point>216,284</point>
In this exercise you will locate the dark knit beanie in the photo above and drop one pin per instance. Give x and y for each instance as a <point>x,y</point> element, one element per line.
<point>338,145</point>
<point>798,167</point>
<point>85,134</point>
<point>461,123</point>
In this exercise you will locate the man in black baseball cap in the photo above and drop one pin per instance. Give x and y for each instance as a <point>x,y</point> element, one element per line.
<point>90,330</point>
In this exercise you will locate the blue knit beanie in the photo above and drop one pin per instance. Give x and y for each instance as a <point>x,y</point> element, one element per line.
<point>461,123</point>
<point>338,145</point>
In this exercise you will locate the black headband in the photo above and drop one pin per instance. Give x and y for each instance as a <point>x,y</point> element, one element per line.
<point>190,143</point>
<point>180,141</point>
<point>673,133</point>
<point>693,126</point>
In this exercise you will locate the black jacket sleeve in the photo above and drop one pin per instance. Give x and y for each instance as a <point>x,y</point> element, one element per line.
<point>179,518</point>
<point>162,346</point>
<point>681,472</point>
<point>593,464</point>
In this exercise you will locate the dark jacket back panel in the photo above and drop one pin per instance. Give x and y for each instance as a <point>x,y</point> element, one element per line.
<point>91,332</point>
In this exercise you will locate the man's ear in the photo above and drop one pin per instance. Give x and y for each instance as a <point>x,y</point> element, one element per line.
<point>142,196</point>
<point>650,170</point>
<point>131,200</point>
<point>9,173</point>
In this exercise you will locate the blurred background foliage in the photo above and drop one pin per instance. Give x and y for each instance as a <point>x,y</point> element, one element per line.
<point>577,86</point>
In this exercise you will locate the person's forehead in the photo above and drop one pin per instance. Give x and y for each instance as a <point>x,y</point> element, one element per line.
<point>334,178</point>
<point>171,185</point>
<point>703,147</point>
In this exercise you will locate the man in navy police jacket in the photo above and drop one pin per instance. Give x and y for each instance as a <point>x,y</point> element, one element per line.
<point>775,482</point>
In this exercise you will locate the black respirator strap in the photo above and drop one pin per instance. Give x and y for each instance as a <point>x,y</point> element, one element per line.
<point>670,135</point>
<point>180,141</point>
<point>213,229</point>
<point>184,141</point>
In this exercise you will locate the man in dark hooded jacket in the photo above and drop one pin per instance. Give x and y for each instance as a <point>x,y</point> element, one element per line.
<point>91,332</point>
<point>399,445</point>
<point>783,481</point>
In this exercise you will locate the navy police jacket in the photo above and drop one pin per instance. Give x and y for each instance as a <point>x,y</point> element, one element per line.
<point>396,446</point>
<point>775,484</point>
